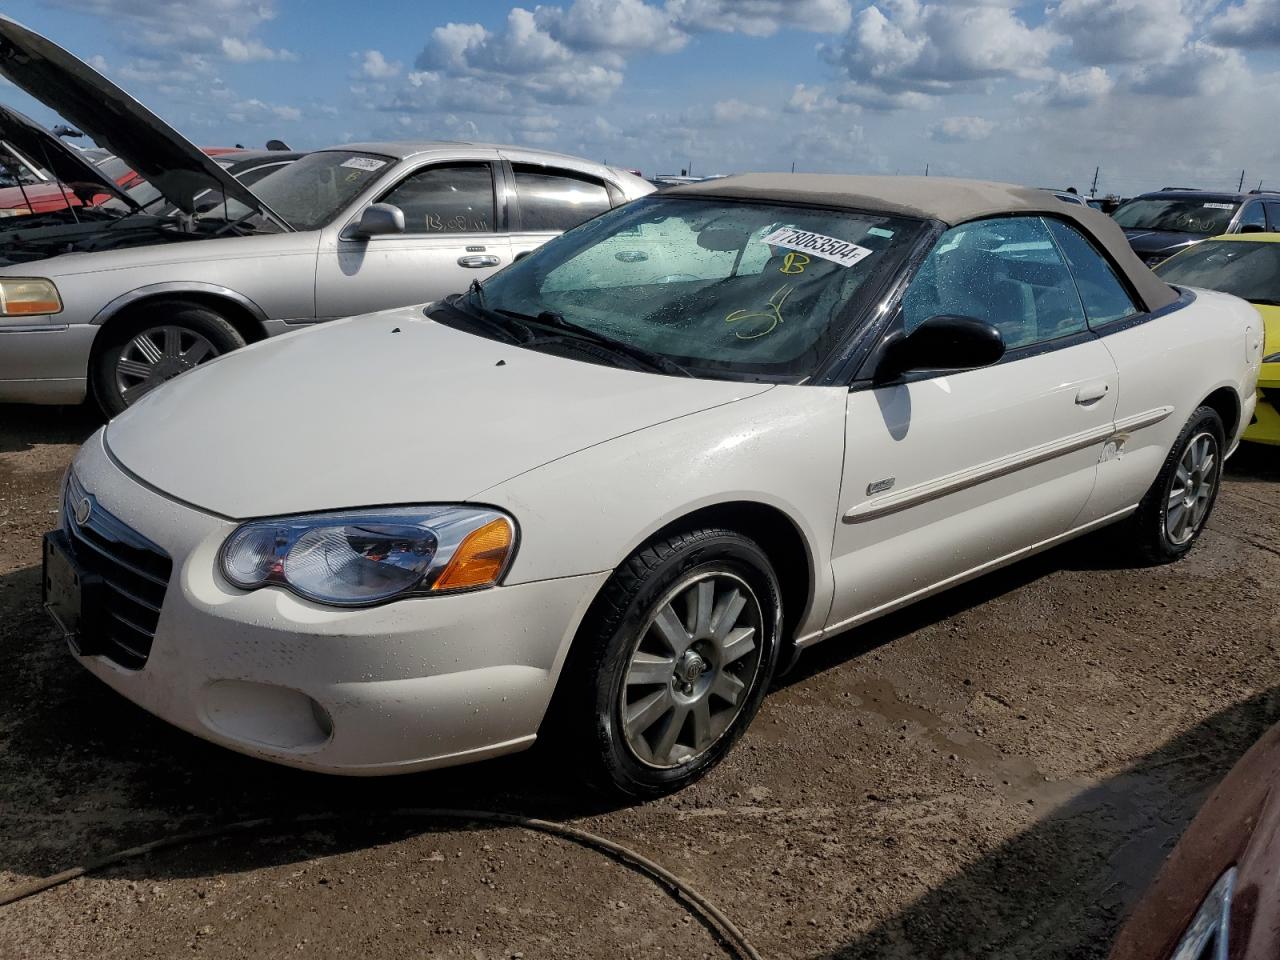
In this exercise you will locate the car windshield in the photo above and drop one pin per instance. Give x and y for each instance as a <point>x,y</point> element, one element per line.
<point>1248,269</point>
<point>719,287</point>
<point>1176,215</point>
<point>307,193</point>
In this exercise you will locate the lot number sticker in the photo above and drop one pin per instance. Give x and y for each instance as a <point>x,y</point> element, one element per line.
<point>828,248</point>
<point>364,163</point>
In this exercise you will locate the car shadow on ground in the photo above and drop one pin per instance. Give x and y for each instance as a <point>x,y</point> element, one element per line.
<point>1103,848</point>
<point>24,426</point>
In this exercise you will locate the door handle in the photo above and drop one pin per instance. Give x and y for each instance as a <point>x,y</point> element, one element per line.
<point>1092,393</point>
<point>477,260</point>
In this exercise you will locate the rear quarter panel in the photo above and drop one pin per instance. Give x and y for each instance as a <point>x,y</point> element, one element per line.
<point>1175,360</point>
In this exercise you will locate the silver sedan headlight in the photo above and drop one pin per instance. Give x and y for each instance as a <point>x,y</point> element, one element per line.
<point>372,556</point>
<point>28,296</point>
<point>1210,928</point>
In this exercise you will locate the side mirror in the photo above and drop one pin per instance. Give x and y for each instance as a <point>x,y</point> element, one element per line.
<point>1253,228</point>
<point>942,343</point>
<point>378,219</point>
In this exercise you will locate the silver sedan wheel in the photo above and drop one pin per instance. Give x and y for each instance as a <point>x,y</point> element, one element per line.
<point>1192,489</point>
<point>158,354</point>
<point>691,670</point>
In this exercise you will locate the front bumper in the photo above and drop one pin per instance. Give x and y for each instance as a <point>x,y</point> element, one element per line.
<point>421,683</point>
<point>45,363</point>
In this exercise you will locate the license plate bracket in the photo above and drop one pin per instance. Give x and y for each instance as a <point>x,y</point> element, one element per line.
<point>71,595</point>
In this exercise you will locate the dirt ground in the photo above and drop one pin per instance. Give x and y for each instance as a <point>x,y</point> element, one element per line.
<point>995,773</point>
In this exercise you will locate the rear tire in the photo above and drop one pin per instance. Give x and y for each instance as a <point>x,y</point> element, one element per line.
<point>1174,512</point>
<point>672,662</point>
<point>154,345</point>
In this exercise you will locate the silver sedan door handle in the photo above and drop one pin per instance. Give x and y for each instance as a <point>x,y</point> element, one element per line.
<point>479,260</point>
<point>1092,393</point>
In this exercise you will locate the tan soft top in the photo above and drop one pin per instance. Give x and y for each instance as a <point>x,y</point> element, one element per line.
<point>952,201</point>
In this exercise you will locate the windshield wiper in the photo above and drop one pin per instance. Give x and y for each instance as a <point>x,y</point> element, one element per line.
<point>471,305</point>
<point>555,321</point>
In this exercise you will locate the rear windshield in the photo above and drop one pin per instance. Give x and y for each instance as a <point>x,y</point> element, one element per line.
<point>1247,269</point>
<point>1176,215</point>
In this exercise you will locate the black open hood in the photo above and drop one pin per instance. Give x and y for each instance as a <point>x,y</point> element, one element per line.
<point>64,163</point>
<point>78,93</point>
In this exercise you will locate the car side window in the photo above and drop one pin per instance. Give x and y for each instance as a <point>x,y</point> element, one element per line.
<point>1104,297</point>
<point>553,199</point>
<point>446,198</point>
<point>1273,215</point>
<point>1006,271</point>
<point>1252,216</point>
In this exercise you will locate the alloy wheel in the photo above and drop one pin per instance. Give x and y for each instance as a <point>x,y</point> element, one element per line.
<point>158,354</point>
<point>1191,491</point>
<point>692,669</point>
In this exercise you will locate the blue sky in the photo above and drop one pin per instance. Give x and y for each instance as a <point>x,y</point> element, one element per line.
<point>1153,91</point>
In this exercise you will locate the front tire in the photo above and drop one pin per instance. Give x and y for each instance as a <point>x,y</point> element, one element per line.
<point>673,661</point>
<point>1176,509</point>
<point>156,345</point>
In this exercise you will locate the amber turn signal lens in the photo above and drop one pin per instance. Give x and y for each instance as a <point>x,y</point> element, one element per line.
<point>28,298</point>
<point>479,558</point>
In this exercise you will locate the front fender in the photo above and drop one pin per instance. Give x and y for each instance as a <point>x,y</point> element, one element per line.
<point>587,512</point>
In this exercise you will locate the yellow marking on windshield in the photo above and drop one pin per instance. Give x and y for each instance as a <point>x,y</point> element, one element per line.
<point>773,314</point>
<point>794,263</point>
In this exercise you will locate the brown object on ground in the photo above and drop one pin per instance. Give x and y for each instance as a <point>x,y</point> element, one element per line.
<point>996,773</point>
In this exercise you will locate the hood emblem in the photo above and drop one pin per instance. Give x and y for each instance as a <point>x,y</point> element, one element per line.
<point>83,510</point>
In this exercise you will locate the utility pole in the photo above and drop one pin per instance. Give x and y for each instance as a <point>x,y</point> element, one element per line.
<point>793,166</point>
<point>926,169</point>
<point>1241,187</point>
<point>1093,191</point>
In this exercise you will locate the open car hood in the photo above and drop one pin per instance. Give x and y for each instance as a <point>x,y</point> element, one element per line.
<point>65,163</point>
<point>78,93</point>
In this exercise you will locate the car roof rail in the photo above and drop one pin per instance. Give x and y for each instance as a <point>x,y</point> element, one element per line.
<point>1189,189</point>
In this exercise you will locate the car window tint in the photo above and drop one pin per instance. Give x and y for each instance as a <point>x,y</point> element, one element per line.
<point>250,177</point>
<point>1104,296</point>
<point>1252,216</point>
<point>1007,271</point>
<point>556,199</point>
<point>1249,269</point>
<point>449,198</point>
<point>1273,215</point>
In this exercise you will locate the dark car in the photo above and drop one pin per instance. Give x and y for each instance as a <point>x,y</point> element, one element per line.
<point>1218,894</point>
<point>1160,224</point>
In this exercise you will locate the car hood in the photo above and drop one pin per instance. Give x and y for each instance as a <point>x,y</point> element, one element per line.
<point>78,93</point>
<point>389,408</point>
<point>1160,243</point>
<point>63,162</point>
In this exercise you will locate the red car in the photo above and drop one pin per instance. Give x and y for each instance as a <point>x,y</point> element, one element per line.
<point>46,196</point>
<point>1218,894</point>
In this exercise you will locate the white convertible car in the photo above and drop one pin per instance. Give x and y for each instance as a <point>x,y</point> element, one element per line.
<point>605,494</point>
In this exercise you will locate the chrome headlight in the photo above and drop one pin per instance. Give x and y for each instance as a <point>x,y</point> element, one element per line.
<point>1206,936</point>
<point>28,297</point>
<point>372,556</point>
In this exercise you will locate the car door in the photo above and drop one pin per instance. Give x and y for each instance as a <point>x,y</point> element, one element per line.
<point>452,235</point>
<point>947,475</point>
<point>547,200</point>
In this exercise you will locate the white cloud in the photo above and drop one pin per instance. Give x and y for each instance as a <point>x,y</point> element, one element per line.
<point>1122,31</point>
<point>257,111</point>
<point>375,66</point>
<point>1197,70</point>
<point>761,18</point>
<point>961,129</point>
<point>246,51</point>
<point>617,26</point>
<point>1250,24</point>
<point>900,46</point>
<point>816,99</point>
<point>1081,88</point>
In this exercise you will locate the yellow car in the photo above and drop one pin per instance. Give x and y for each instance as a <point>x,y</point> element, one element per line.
<point>1247,265</point>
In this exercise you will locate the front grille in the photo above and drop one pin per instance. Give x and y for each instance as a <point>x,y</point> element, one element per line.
<point>134,571</point>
